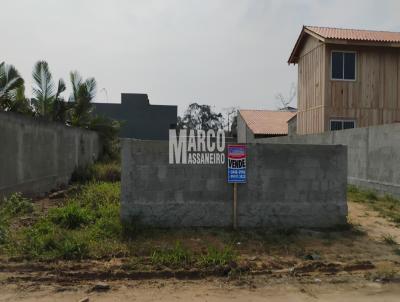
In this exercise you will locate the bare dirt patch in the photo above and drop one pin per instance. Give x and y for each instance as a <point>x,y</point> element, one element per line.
<point>281,265</point>
<point>372,222</point>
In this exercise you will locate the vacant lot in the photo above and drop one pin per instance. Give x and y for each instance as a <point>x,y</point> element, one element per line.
<point>65,243</point>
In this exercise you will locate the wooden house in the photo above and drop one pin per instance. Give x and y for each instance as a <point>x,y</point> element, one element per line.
<point>346,78</point>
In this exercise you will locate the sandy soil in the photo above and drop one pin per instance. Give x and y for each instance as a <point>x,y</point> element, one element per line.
<point>279,275</point>
<point>208,290</point>
<point>371,222</point>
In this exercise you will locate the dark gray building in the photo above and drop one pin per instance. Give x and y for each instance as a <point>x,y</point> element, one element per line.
<point>140,119</point>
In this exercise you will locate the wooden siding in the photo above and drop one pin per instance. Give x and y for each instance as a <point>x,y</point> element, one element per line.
<point>310,115</point>
<point>373,98</point>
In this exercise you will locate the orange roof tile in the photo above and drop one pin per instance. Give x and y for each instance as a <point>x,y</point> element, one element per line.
<point>325,34</point>
<point>267,121</point>
<point>355,34</point>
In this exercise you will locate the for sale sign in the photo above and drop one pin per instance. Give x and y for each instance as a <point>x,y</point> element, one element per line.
<point>237,164</point>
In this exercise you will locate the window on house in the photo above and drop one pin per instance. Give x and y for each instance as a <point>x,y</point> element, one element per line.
<point>343,65</point>
<point>342,124</point>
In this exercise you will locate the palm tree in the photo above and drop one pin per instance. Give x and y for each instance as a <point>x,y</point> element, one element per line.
<point>83,92</point>
<point>47,99</point>
<point>11,86</point>
<point>20,103</point>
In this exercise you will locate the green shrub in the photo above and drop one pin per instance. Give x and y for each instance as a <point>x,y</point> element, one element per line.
<point>108,224</point>
<point>3,233</point>
<point>110,171</point>
<point>71,248</point>
<point>39,240</point>
<point>88,225</point>
<point>371,195</point>
<point>71,216</point>
<point>100,171</point>
<point>96,194</point>
<point>15,205</point>
<point>215,256</point>
<point>82,174</point>
<point>46,241</point>
<point>172,257</point>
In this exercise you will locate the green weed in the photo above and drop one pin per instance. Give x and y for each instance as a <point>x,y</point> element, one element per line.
<point>387,205</point>
<point>172,257</point>
<point>215,256</point>
<point>71,216</point>
<point>87,225</point>
<point>15,205</point>
<point>101,171</point>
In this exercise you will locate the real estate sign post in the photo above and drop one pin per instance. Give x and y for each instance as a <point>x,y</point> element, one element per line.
<point>236,172</point>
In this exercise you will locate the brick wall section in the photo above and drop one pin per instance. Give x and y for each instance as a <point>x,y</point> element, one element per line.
<point>288,186</point>
<point>37,156</point>
<point>373,154</point>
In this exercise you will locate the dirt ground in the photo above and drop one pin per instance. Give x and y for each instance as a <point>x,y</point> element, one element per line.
<point>355,267</point>
<point>208,290</point>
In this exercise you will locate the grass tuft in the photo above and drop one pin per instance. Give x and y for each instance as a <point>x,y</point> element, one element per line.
<point>172,257</point>
<point>15,205</point>
<point>79,229</point>
<point>108,172</point>
<point>387,205</point>
<point>215,256</point>
<point>71,216</point>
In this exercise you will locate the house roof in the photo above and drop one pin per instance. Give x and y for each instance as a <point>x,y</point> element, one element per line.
<point>345,35</point>
<point>267,121</point>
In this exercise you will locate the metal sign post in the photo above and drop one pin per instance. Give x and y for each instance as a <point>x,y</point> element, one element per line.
<point>236,173</point>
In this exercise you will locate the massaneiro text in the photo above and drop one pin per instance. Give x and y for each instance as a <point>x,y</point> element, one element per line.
<point>199,147</point>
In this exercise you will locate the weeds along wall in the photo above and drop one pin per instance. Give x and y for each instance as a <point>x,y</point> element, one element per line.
<point>37,156</point>
<point>373,154</point>
<point>288,186</point>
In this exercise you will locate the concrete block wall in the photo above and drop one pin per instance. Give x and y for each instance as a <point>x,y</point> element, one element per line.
<point>373,154</point>
<point>37,156</point>
<point>288,186</point>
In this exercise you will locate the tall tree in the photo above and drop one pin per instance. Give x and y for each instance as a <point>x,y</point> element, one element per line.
<point>11,87</point>
<point>83,92</point>
<point>20,102</point>
<point>47,100</point>
<point>200,117</point>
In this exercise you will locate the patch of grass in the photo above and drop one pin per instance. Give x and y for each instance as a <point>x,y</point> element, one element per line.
<point>215,256</point>
<point>86,226</point>
<point>10,208</point>
<point>353,189</point>
<point>389,239</point>
<point>100,171</point>
<point>71,216</point>
<point>44,241</point>
<point>387,205</point>
<point>15,205</point>
<point>371,195</point>
<point>172,257</point>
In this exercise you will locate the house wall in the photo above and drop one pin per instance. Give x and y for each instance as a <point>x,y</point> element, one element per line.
<point>244,134</point>
<point>374,97</point>
<point>310,96</point>
<point>292,126</point>
<point>373,154</point>
<point>139,118</point>
<point>38,156</point>
<point>287,186</point>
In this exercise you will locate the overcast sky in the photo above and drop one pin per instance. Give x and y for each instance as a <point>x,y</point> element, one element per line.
<point>219,52</point>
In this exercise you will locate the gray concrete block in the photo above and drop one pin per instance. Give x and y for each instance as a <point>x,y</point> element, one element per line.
<point>288,186</point>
